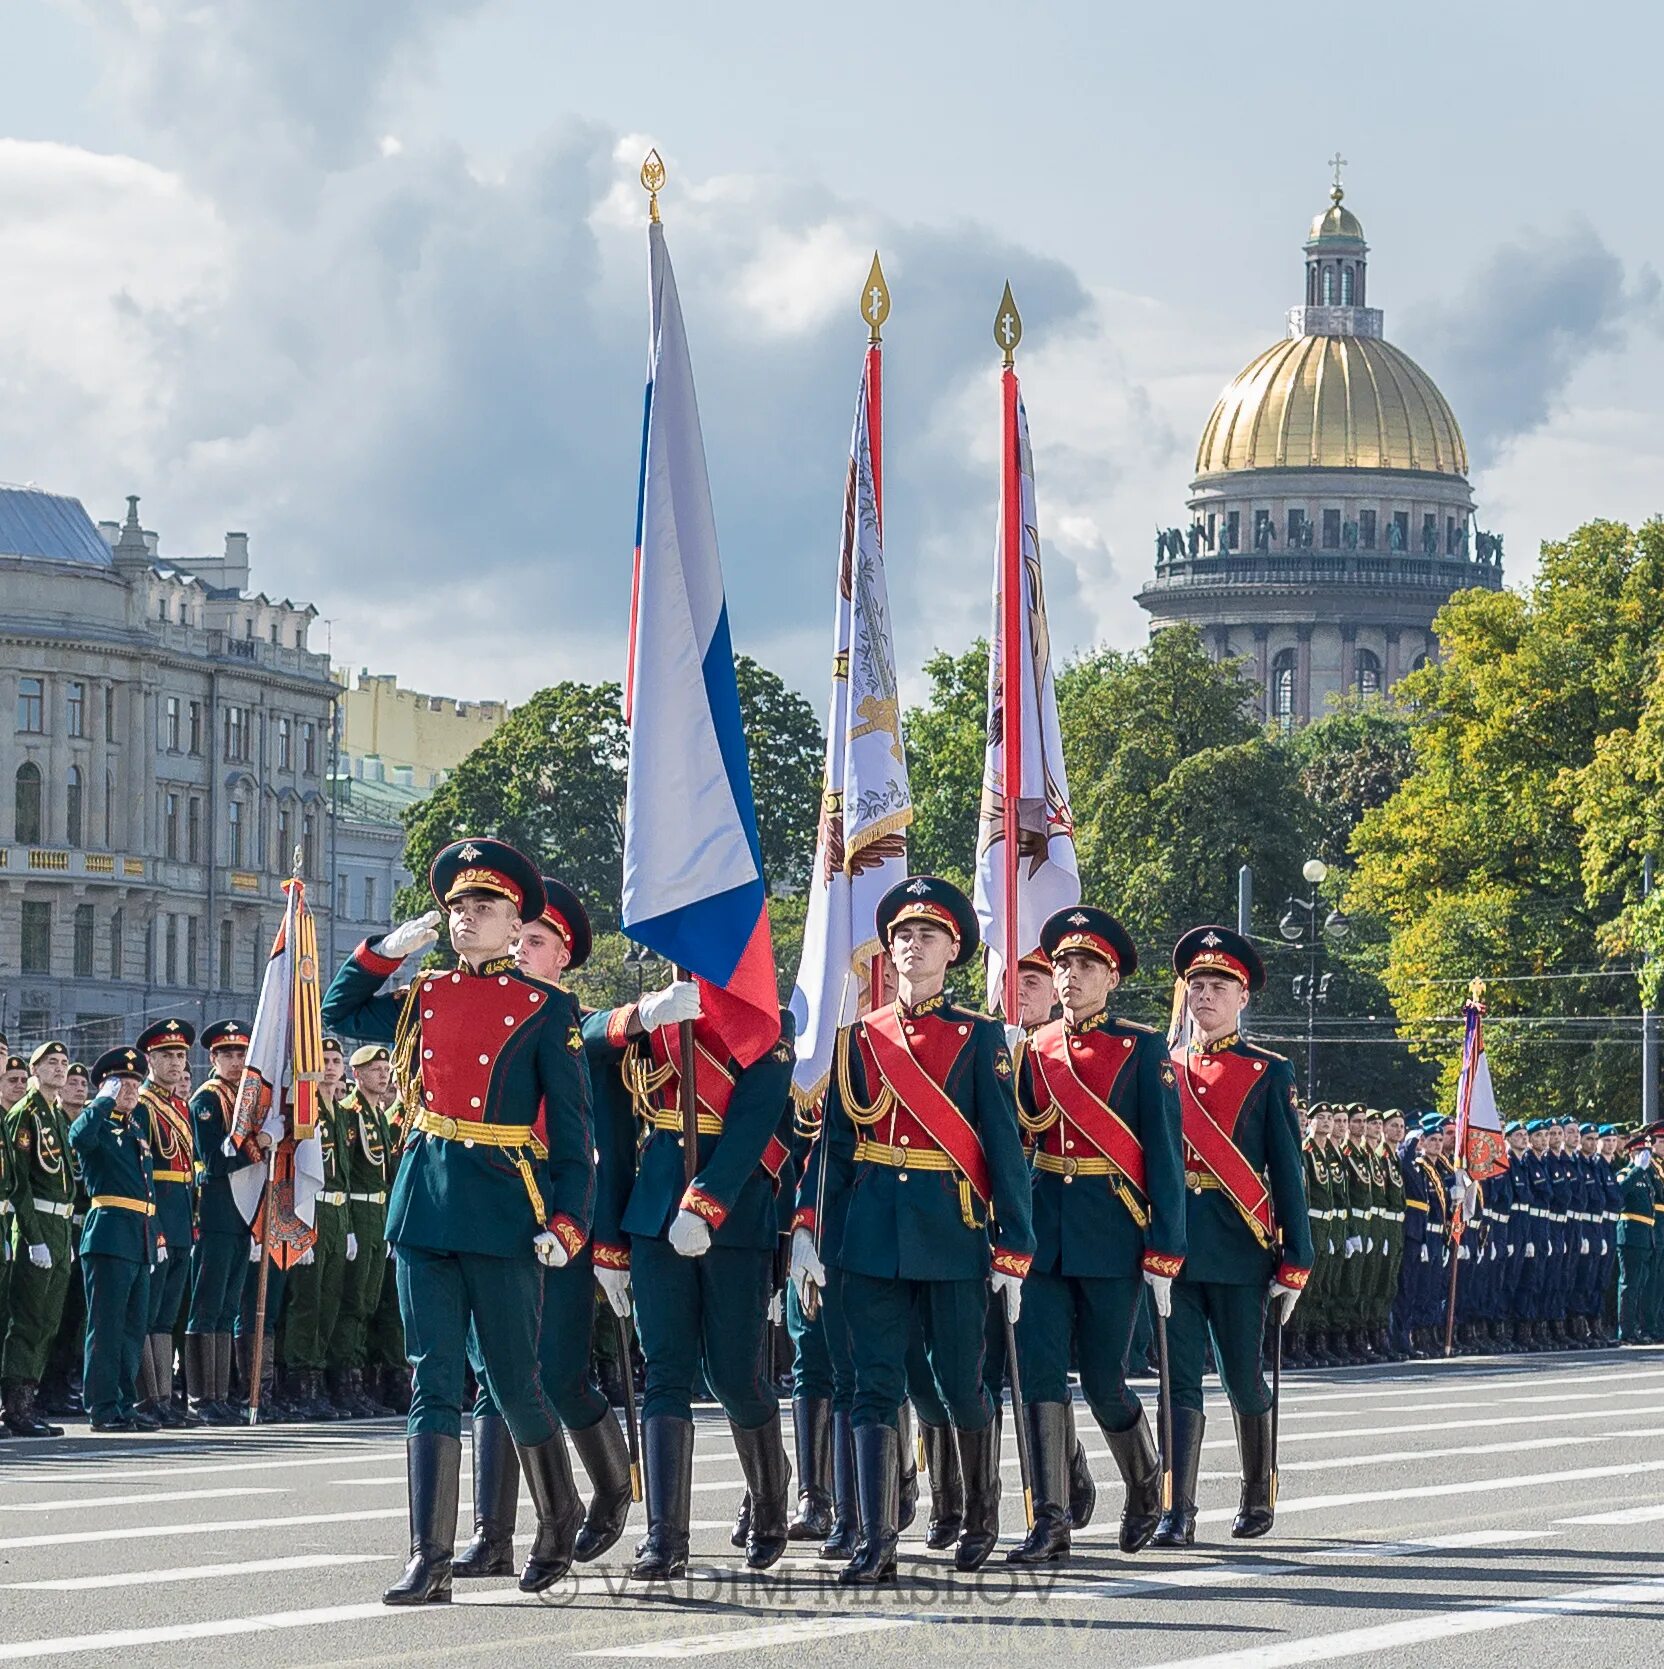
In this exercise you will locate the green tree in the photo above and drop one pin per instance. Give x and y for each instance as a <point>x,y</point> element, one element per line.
<point>788,757</point>
<point>946,739</point>
<point>1351,760</point>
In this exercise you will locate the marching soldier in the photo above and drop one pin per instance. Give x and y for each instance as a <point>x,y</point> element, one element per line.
<point>698,1257</point>
<point>166,1115</point>
<point>475,1216</point>
<point>119,1244</point>
<point>1248,1237</point>
<point>220,1263</point>
<point>1096,1096</point>
<point>369,1139</point>
<point>920,1144</point>
<point>557,941</point>
<point>44,1201</point>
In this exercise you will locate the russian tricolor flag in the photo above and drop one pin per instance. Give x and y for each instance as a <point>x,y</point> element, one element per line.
<point>693,873</point>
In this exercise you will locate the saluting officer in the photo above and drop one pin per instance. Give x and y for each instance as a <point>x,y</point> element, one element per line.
<point>920,1144</point>
<point>1096,1095</point>
<point>1247,1233</point>
<point>166,1047</point>
<point>44,1200</point>
<point>558,940</point>
<point>475,1214</point>
<point>118,1244</point>
<point>368,1137</point>
<point>699,1257</point>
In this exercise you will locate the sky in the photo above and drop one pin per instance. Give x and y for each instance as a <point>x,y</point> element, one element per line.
<point>366,280</point>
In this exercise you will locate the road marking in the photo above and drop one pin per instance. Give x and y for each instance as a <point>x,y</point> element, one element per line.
<point>755,1639</point>
<point>137,1474</point>
<point>1356,1642</point>
<point>64,1645</point>
<point>1626,1515</point>
<point>1475,1539</point>
<point>214,1527</point>
<point>1628,1376</point>
<point>137,1500</point>
<point>200,1573</point>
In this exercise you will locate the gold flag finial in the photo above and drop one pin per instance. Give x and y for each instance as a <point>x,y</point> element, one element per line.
<point>299,862</point>
<point>1476,991</point>
<point>1008,327</point>
<point>652,181</point>
<point>875,300</point>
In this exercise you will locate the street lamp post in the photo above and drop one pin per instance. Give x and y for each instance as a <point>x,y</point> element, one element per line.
<point>1301,926</point>
<point>640,958</point>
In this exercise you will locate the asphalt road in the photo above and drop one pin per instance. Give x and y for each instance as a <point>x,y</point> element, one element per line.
<point>1504,1509</point>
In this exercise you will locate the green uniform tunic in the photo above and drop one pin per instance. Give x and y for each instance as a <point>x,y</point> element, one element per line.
<point>1638,1234</point>
<point>8,1185</point>
<point>220,1265</point>
<point>173,1151</point>
<point>367,1138</point>
<point>314,1289</point>
<point>44,1201</point>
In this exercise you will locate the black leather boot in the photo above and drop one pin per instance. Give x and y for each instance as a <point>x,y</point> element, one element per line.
<point>979,1462</point>
<point>667,1448</point>
<point>907,1457</point>
<point>877,1478</point>
<point>1083,1488</point>
<point>496,1496</point>
<point>1135,1456</point>
<point>434,1463</point>
<point>812,1429</point>
<point>199,1389</point>
<point>1048,1450</point>
<point>947,1487</point>
<point>158,1348</point>
<point>740,1534</point>
<point>762,1453</point>
<point>841,1539</point>
<point>1258,1506</point>
<point>606,1458</point>
<point>560,1514</point>
<point>1178,1523</point>
<point>23,1417</point>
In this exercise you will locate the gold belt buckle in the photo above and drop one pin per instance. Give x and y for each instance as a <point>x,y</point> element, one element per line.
<point>1071,1165</point>
<point>1193,1181</point>
<point>447,1126</point>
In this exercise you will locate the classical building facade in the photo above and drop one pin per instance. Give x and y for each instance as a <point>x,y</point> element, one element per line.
<point>404,738</point>
<point>165,740</point>
<point>1330,514</point>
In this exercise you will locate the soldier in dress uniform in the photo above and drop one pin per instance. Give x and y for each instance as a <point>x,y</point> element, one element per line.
<point>1358,1271</point>
<point>1637,1233</point>
<point>369,1139</point>
<point>68,1350</point>
<point>1611,1209</point>
<point>1390,1217</point>
<point>1096,1095</point>
<point>220,1260</point>
<point>476,1213</point>
<point>1655,1287</point>
<point>920,1144</point>
<point>558,941</point>
<point>1300,1336</point>
<point>119,1244</point>
<point>698,1257</point>
<point>1248,1238</point>
<point>166,1115</point>
<point>44,1201</point>
<point>14,1074</point>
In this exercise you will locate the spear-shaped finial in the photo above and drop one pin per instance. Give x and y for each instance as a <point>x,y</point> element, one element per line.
<point>875,300</point>
<point>652,182</point>
<point>299,862</point>
<point>1008,327</point>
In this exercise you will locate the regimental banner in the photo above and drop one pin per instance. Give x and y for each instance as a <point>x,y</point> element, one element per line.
<point>1481,1148</point>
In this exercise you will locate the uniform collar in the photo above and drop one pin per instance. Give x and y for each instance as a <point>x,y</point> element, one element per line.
<point>1095,1022</point>
<point>1218,1046</point>
<point>497,965</point>
<point>928,1006</point>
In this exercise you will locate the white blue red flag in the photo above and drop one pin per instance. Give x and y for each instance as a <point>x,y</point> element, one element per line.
<point>693,875</point>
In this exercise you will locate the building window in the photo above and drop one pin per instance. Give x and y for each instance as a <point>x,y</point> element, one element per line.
<point>238,723</point>
<point>234,826</point>
<point>1212,520</point>
<point>1331,530</point>
<point>1346,287</point>
<point>1429,534</point>
<point>1328,286</point>
<point>116,925</point>
<point>227,956</point>
<point>285,839</point>
<point>285,749</point>
<point>1419,662</point>
<point>27,804</point>
<point>170,824</point>
<point>1233,531</point>
<point>1366,529</point>
<point>75,708</point>
<point>161,608</point>
<point>1401,530</point>
<point>309,749</point>
<point>170,724</point>
<point>73,800</point>
<point>196,727</point>
<point>1296,529</point>
<point>309,845</point>
<point>369,898</point>
<point>1369,672</point>
<point>36,956</point>
<point>109,808</point>
<point>193,959</point>
<point>83,941</point>
<point>193,825</point>
<point>1264,532</point>
<point>1282,687</point>
<point>170,955</point>
<point>31,706</point>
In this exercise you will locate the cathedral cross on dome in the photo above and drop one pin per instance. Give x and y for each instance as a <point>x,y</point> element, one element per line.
<point>1337,162</point>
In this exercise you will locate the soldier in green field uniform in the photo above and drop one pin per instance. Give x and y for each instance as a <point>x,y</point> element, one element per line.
<point>1391,1220</point>
<point>118,1246</point>
<point>384,1355</point>
<point>1248,1237</point>
<point>316,1282</point>
<point>44,1201</point>
<point>367,1137</point>
<point>64,1359</point>
<point>1302,1348</point>
<point>14,1076</point>
<point>476,1214</point>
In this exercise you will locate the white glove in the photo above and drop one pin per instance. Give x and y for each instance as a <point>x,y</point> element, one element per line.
<point>1509,1252</point>
<point>40,1254</point>
<point>1583,1247</point>
<point>1354,1244</point>
<point>308,1256</point>
<point>550,1253</point>
<point>807,1269</point>
<point>255,1250</point>
<point>1009,1289</point>
<point>1548,1250</point>
<point>161,1251</point>
<point>352,1246</point>
<point>615,1283</point>
<point>1013,1036</point>
<point>678,1001</point>
<point>1531,1248</point>
<point>1161,1291</point>
<point>109,1087</point>
<point>1287,1296</point>
<point>1603,1248</point>
<point>777,1308</point>
<point>690,1235</point>
<point>1462,1252</point>
<point>409,936</point>
<point>389,1251</point>
<point>1425,1257</point>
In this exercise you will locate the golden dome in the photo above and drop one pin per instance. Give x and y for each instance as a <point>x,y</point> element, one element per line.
<point>1336,222</point>
<point>1332,402</point>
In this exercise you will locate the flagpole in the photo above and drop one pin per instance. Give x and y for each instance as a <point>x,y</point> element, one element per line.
<point>1464,1105</point>
<point>1008,332</point>
<point>875,309</point>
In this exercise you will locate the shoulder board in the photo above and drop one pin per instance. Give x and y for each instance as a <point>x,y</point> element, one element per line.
<point>1136,1026</point>
<point>1264,1053</point>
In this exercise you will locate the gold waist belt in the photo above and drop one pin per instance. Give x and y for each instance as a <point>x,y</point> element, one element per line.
<point>121,1202</point>
<point>511,1137</point>
<point>171,1176</point>
<point>709,1123</point>
<point>1058,1165</point>
<point>1198,1180</point>
<point>905,1159</point>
